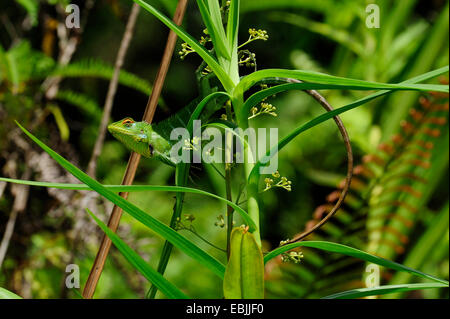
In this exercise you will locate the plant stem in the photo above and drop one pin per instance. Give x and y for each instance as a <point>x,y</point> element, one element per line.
<point>252,187</point>
<point>228,157</point>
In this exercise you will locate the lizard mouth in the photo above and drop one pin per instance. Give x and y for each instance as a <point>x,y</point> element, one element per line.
<point>114,130</point>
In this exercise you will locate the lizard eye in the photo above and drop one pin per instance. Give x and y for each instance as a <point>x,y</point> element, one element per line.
<point>127,122</point>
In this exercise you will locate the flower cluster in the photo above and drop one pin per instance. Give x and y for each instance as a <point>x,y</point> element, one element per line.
<point>266,108</point>
<point>191,144</point>
<point>189,218</point>
<point>248,59</point>
<point>185,50</point>
<point>293,256</point>
<point>277,181</point>
<point>258,34</point>
<point>206,38</point>
<point>255,35</point>
<point>220,221</point>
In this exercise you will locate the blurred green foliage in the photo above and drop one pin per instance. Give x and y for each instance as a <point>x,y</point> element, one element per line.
<point>328,36</point>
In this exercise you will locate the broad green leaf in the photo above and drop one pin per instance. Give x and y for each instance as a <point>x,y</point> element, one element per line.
<point>140,264</point>
<point>353,252</point>
<point>199,49</point>
<point>136,188</point>
<point>382,290</point>
<point>6,294</point>
<point>161,229</point>
<point>244,275</point>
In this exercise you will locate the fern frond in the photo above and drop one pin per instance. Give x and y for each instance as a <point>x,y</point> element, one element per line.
<point>387,193</point>
<point>99,69</point>
<point>85,103</point>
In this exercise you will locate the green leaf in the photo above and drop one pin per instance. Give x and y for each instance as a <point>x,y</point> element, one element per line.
<point>212,14</point>
<point>199,49</point>
<point>63,127</point>
<point>6,294</point>
<point>140,264</point>
<point>353,252</point>
<point>233,23</point>
<point>382,290</point>
<point>332,82</point>
<point>137,188</point>
<point>161,229</point>
<point>244,276</point>
<point>32,8</point>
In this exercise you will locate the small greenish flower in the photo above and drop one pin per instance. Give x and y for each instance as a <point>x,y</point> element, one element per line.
<point>284,242</point>
<point>191,144</point>
<point>207,70</point>
<point>266,108</point>
<point>186,49</point>
<point>277,181</point>
<point>178,224</point>
<point>248,59</point>
<point>284,183</point>
<point>205,38</point>
<point>255,35</point>
<point>293,256</point>
<point>189,217</point>
<point>269,183</point>
<point>226,6</point>
<point>258,34</point>
<point>220,221</point>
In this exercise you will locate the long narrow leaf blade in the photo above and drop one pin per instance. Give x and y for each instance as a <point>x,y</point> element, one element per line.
<point>382,290</point>
<point>140,264</point>
<point>137,188</point>
<point>233,23</point>
<point>6,294</point>
<point>333,81</point>
<point>353,252</point>
<point>199,49</point>
<point>161,229</point>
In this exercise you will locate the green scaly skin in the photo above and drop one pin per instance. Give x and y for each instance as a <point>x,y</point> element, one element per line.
<point>142,139</point>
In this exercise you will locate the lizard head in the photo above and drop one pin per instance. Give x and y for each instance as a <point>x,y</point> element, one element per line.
<point>139,137</point>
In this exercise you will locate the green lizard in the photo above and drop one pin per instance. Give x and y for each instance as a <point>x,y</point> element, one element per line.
<point>141,138</point>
